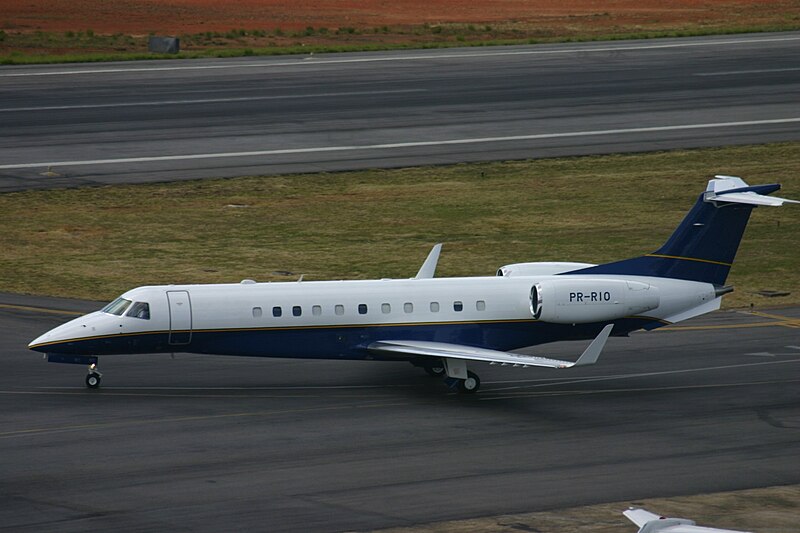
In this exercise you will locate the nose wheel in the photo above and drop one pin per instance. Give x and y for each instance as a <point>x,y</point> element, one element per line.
<point>93,377</point>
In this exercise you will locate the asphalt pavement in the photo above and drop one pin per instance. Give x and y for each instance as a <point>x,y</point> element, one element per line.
<point>207,443</point>
<point>71,125</point>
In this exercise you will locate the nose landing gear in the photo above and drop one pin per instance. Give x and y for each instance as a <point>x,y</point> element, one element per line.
<point>93,377</point>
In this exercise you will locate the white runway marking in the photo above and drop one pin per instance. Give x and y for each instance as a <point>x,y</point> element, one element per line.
<point>322,60</point>
<point>393,146</point>
<point>209,100</point>
<point>737,72</point>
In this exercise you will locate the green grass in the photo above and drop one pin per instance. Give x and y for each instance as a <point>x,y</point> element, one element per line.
<point>766,510</point>
<point>97,242</point>
<point>125,48</point>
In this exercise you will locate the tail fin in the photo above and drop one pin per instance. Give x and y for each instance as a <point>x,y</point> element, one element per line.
<point>704,245</point>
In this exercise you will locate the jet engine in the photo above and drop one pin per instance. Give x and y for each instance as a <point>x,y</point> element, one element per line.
<point>540,269</point>
<point>575,300</point>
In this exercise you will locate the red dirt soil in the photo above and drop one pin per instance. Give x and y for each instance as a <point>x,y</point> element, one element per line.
<point>180,17</point>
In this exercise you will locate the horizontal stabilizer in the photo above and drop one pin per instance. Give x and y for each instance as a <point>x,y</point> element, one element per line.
<point>736,190</point>
<point>640,516</point>
<point>458,351</point>
<point>653,523</point>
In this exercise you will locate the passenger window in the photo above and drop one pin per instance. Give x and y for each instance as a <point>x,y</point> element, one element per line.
<point>362,309</point>
<point>458,306</point>
<point>316,310</point>
<point>277,311</point>
<point>117,307</point>
<point>140,310</point>
<point>480,305</point>
<point>434,307</point>
<point>339,309</point>
<point>386,309</point>
<point>408,307</point>
<point>297,310</point>
<point>257,312</point>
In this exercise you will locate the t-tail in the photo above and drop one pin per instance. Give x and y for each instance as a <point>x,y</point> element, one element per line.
<point>704,245</point>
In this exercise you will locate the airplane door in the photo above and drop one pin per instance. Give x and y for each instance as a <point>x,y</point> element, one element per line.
<point>180,317</point>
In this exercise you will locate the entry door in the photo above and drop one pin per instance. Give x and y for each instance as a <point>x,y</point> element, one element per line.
<point>180,317</point>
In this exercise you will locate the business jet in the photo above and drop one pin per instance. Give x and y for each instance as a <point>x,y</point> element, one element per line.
<point>438,324</point>
<point>651,523</point>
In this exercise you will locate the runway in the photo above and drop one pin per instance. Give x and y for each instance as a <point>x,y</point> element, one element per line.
<point>69,125</point>
<point>212,443</point>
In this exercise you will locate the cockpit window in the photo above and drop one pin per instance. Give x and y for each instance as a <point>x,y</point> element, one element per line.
<point>117,307</point>
<point>140,310</point>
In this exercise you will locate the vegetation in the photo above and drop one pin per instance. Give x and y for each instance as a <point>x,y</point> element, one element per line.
<point>17,48</point>
<point>97,242</point>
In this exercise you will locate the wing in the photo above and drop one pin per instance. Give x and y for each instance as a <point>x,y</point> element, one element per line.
<point>470,353</point>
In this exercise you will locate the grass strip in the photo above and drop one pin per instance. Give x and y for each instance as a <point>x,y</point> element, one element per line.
<point>96,242</point>
<point>766,510</point>
<point>134,47</point>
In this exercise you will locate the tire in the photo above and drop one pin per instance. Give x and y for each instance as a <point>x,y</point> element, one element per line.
<point>93,380</point>
<point>435,370</point>
<point>469,385</point>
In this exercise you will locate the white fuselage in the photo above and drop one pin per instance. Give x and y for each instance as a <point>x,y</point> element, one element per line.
<point>190,317</point>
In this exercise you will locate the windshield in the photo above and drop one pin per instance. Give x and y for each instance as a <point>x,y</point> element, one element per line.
<point>117,307</point>
<point>140,310</point>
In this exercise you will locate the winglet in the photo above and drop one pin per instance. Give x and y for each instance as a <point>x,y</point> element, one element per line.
<point>428,268</point>
<point>592,352</point>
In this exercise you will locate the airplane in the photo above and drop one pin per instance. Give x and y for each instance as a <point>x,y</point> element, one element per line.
<point>438,324</point>
<point>652,523</point>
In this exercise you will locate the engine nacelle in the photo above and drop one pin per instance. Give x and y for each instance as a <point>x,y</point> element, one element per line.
<point>575,300</point>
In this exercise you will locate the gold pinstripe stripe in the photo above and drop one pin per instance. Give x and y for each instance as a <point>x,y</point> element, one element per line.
<point>689,259</point>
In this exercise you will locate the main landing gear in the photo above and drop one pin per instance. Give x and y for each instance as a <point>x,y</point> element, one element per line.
<point>469,385</point>
<point>455,374</point>
<point>93,377</point>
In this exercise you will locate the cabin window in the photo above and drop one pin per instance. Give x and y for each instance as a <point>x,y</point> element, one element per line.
<point>257,312</point>
<point>408,307</point>
<point>140,310</point>
<point>297,310</point>
<point>339,309</point>
<point>434,307</point>
<point>277,311</point>
<point>117,307</point>
<point>362,309</point>
<point>316,310</point>
<point>458,306</point>
<point>386,309</point>
<point>480,305</point>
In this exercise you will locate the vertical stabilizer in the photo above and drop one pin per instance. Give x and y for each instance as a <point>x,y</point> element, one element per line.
<point>704,245</point>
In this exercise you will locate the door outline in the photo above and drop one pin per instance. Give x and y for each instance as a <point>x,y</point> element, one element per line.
<point>180,317</point>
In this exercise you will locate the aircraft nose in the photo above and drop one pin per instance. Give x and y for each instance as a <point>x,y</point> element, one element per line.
<point>63,333</point>
<point>38,343</point>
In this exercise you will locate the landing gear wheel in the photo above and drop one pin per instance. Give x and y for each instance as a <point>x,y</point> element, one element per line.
<point>92,380</point>
<point>435,370</point>
<point>469,385</point>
